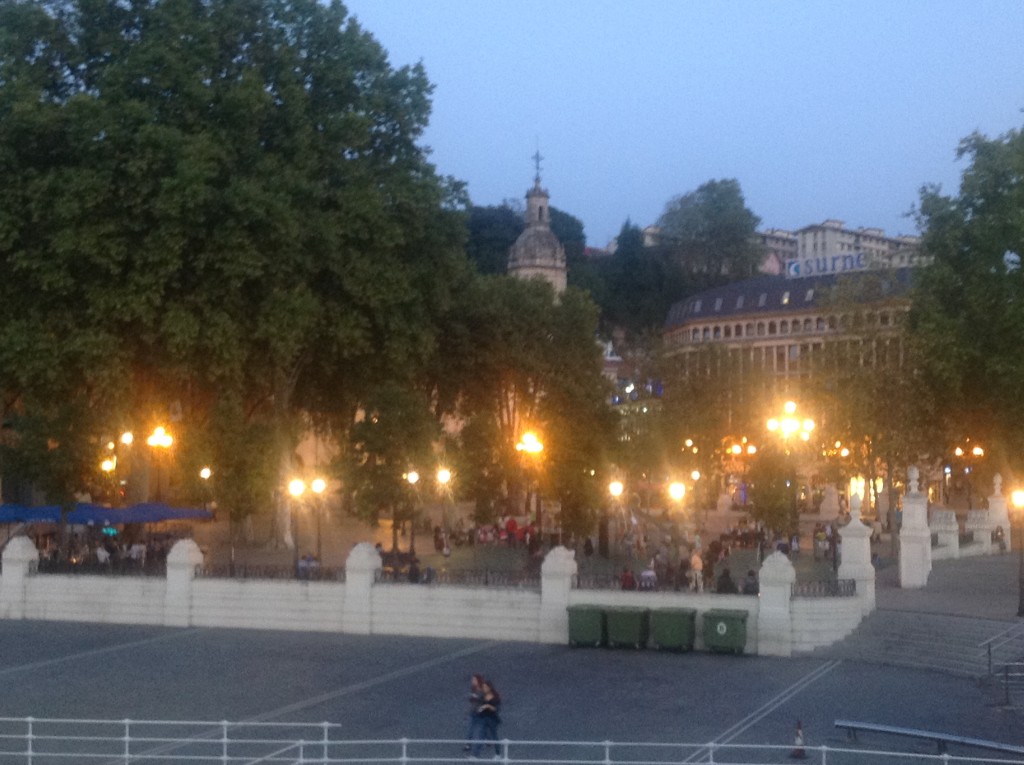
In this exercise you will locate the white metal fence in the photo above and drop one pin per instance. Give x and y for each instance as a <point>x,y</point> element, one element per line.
<point>29,741</point>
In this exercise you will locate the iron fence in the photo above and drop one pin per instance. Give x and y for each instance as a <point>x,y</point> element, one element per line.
<point>826,588</point>
<point>461,577</point>
<point>30,741</point>
<point>126,567</point>
<point>246,571</point>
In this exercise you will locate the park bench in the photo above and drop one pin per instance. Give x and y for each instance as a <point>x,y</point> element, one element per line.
<point>941,739</point>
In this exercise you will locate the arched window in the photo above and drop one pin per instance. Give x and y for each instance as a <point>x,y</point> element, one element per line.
<point>807,325</point>
<point>783,327</point>
<point>750,329</point>
<point>717,333</point>
<point>772,328</point>
<point>728,332</point>
<point>706,334</point>
<point>819,324</point>
<point>760,329</point>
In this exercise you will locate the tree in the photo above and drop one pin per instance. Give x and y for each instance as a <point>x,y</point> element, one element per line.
<point>967,320</point>
<point>220,209</point>
<point>711,231</point>
<point>492,232</point>
<point>522,360</point>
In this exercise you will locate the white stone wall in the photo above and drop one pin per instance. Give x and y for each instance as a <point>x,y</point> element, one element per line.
<point>267,605</point>
<point>104,599</point>
<point>487,613</point>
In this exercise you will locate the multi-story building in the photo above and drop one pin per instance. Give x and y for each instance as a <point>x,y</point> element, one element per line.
<point>830,248</point>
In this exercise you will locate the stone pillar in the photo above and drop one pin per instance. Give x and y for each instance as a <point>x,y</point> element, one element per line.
<point>856,562</point>
<point>774,615</point>
<point>998,513</point>
<point>19,557</point>
<point>182,561</point>
<point>361,569</point>
<point>915,537</point>
<point>556,574</point>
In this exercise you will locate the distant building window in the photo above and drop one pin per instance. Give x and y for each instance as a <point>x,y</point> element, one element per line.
<point>718,304</point>
<point>706,334</point>
<point>807,325</point>
<point>739,331</point>
<point>809,296</point>
<point>696,306</point>
<point>695,335</point>
<point>785,298</point>
<point>718,333</point>
<point>728,332</point>
<point>783,327</point>
<point>772,328</point>
<point>739,301</point>
<point>820,324</point>
<point>749,329</point>
<point>760,329</point>
<point>762,299</point>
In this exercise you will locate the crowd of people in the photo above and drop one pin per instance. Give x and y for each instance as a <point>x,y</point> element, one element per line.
<point>100,552</point>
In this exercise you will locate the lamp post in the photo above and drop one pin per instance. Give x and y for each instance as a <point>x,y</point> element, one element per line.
<point>413,478</point>
<point>159,441</point>
<point>968,454</point>
<point>318,485</point>
<point>296,488</point>
<point>444,477</point>
<point>789,427</point>
<point>1017,499</point>
<point>615,489</point>
<point>530,445</point>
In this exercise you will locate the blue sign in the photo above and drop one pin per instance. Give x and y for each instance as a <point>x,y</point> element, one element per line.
<point>797,268</point>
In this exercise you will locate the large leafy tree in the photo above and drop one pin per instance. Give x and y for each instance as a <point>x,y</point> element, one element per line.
<point>522,360</point>
<point>711,231</point>
<point>218,208</point>
<point>968,312</point>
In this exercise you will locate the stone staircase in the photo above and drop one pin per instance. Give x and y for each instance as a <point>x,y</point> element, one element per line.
<point>939,642</point>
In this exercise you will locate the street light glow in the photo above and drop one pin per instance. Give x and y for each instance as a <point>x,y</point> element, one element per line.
<point>296,487</point>
<point>1017,498</point>
<point>530,443</point>
<point>127,438</point>
<point>412,477</point>
<point>108,465</point>
<point>205,473</point>
<point>676,491</point>
<point>444,475</point>
<point>318,485</point>
<point>160,438</point>
<point>695,475</point>
<point>615,489</point>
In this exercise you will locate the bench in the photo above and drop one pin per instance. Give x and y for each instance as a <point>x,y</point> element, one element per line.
<point>941,739</point>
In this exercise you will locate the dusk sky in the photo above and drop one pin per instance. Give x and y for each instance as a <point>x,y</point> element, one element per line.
<point>819,109</point>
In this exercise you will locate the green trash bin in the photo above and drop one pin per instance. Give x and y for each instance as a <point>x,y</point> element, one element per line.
<point>586,625</point>
<point>725,630</point>
<point>674,629</point>
<point>627,626</point>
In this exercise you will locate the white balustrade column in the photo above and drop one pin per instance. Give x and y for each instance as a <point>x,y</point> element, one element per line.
<point>361,569</point>
<point>915,536</point>
<point>556,575</point>
<point>20,555</point>
<point>856,561</point>
<point>182,561</point>
<point>998,512</point>
<point>774,613</point>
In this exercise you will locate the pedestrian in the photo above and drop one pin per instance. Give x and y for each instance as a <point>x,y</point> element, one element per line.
<point>697,571</point>
<point>473,720</point>
<point>490,718</point>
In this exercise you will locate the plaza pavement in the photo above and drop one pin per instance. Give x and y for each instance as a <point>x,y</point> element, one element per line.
<point>389,687</point>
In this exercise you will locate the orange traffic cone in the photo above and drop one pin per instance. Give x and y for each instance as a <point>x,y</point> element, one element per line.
<point>798,752</point>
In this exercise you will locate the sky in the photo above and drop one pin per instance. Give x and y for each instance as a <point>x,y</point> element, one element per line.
<point>819,109</point>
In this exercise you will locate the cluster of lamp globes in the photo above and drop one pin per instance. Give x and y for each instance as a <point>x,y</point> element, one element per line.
<point>158,439</point>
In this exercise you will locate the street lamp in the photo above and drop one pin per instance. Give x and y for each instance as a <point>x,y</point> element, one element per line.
<point>1017,499</point>
<point>296,487</point>
<point>531,445</point>
<point>444,477</point>
<point>160,441</point>
<point>413,478</point>
<point>615,489</point>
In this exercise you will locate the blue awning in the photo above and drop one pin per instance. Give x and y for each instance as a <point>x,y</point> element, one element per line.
<point>86,513</point>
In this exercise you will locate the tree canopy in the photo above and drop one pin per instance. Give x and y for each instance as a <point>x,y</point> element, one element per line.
<point>968,313</point>
<point>711,231</point>
<point>217,209</point>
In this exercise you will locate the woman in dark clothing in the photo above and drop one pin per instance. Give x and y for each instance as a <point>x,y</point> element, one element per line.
<point>489,717</point>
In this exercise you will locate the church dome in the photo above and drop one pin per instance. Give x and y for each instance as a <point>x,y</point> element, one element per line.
<point>537,252</point>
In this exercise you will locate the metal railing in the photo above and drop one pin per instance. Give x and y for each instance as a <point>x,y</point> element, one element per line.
<point>826,588</point>
<point>246,571</point>
<point>1009,636</point>
<point>124,567</point>
<point>461,577</point>
<point>30,741</point>
<point>1012,677</point>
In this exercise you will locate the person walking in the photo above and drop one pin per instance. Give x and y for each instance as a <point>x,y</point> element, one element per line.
<point>697,571</point>
<point>490,718</point>
<point>473,726</point>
